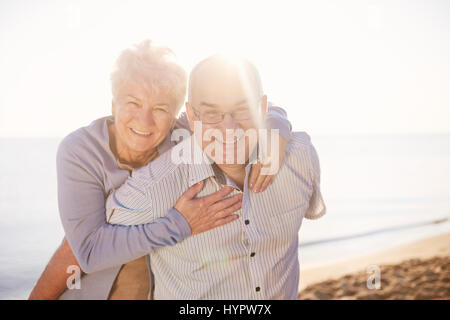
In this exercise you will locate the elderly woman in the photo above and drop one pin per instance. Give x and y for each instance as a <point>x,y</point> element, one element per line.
<point>148,89</point>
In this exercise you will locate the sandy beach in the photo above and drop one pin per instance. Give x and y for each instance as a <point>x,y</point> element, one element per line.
<point>420,270</point>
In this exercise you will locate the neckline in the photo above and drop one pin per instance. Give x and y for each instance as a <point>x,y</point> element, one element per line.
<point>162,147</point>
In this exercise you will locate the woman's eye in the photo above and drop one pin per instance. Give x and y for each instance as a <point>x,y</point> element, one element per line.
<point>160,110</point>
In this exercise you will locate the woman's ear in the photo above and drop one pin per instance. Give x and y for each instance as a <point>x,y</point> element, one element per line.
<point>112,108</point>
<point>264,106</point>
<point>190,116</point>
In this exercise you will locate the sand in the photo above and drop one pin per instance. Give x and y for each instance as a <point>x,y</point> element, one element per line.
<point>420,270</point>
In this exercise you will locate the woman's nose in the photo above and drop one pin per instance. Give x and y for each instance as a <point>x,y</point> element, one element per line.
<point>145,117</point>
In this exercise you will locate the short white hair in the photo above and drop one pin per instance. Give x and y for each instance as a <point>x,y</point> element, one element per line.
<point>158,67</point>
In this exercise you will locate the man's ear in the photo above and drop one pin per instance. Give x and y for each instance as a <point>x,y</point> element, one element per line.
<point>190,116</point>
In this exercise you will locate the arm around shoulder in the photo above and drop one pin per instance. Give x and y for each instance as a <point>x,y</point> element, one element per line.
<point>96,244</point>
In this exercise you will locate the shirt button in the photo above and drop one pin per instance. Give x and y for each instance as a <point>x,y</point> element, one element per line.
<point>252,254</point>
<point>247,221</point>
<point>257,289</point>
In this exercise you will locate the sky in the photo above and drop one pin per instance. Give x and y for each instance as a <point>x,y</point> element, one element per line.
<point>337,67</point>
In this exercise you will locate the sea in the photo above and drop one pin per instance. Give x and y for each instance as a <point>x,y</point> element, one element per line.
<point>381,191</point>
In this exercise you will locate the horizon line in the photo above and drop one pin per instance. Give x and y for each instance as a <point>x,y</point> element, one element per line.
<point>316,134</point>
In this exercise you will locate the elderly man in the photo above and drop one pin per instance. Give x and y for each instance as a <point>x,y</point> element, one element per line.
<point>255,256</point>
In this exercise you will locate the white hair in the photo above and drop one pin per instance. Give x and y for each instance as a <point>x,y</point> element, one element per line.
<point>158,67</point>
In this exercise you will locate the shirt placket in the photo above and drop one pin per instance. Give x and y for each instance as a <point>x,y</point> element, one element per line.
<point>250,237</point>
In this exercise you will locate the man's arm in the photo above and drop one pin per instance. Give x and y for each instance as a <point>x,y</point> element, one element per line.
<point>53,281</point>
<point>316,207</point>
<point>304,153</point>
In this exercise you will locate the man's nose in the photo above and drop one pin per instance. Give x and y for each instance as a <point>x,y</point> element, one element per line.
<point>228,127</point>
<point>229,122</point>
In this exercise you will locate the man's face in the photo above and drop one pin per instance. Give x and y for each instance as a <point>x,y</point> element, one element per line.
<point>236,135</point>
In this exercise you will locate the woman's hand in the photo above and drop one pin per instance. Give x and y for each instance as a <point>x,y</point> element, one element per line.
<point>259,178</point>
<point>209,211</point>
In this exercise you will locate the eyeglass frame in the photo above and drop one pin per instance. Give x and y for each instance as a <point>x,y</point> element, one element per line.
<point>198,114</point>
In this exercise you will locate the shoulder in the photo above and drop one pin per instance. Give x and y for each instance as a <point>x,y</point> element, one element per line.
<point>167,166</point>
<point>85,152</point>
<point>301,152</point>
<point>85,141</point>
<point>299,143</point>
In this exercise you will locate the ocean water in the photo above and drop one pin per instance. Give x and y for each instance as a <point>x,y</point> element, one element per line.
<point>380,191</point>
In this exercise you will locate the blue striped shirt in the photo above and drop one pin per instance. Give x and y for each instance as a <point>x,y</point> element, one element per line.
<point>253,257</point>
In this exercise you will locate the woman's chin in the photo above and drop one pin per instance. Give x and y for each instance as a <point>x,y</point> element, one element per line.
<point>138,146</point>
<point>142,143</point>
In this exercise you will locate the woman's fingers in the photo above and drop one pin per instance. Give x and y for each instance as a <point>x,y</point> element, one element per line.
<point>258,184</point>
<point>216,196</point>
<point>228,211</point>
<point>225,203</point>
<point>258,181</point>
<point>193,190</point>
<point>215,217</point>
<point>254,174</point>
<point>210,221</point>
<point>267,181</point>
<point>200,213</point>
<point>225,220</point>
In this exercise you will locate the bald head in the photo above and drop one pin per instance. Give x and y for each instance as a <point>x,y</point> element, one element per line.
<point>218,75</point>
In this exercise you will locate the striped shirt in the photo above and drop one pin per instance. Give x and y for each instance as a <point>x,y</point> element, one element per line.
<point>253,257</point>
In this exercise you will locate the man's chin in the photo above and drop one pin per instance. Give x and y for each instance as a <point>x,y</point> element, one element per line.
<point>231,161</point>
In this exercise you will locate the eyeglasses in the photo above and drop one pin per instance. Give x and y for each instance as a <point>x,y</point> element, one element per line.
<point>215,117</point>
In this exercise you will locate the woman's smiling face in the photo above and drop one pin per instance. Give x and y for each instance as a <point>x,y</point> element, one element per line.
<point>142,117</point>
